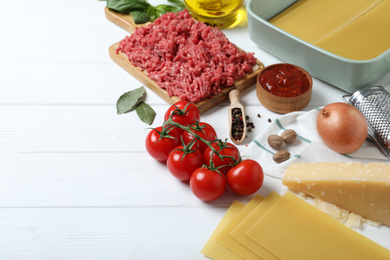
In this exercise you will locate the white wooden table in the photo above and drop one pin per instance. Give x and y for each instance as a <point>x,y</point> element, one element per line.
<point>75,179</point>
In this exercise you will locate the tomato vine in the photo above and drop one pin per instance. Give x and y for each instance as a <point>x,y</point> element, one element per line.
<point>209,169</point>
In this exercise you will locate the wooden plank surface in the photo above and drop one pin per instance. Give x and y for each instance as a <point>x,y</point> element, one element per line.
<point>127,23</point>
<point>76,180</point>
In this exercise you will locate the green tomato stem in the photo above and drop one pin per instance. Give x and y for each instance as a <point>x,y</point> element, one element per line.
<point>170,123</point>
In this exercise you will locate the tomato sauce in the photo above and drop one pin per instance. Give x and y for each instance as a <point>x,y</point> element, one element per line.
<point>284,80</point>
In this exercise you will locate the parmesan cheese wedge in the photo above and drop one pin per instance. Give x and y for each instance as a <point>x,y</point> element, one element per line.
<point>363,189</point>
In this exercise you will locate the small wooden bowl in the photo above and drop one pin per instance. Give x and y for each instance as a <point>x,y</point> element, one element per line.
<point>280,104</point>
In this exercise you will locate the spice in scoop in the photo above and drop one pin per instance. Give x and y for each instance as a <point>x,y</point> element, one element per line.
<point>237,124</point>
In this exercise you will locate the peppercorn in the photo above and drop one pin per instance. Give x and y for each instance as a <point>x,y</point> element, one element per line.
<point>237,124</point>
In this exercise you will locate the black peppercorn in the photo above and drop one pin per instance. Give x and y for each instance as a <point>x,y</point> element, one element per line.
<point>237,124</point>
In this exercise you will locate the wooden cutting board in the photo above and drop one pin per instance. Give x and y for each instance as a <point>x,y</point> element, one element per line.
<point>126,22</point>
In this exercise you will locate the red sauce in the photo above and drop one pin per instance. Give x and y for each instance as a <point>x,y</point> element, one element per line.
<point>284,80</point>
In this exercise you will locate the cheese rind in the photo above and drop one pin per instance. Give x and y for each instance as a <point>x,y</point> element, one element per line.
<point>363,189</point>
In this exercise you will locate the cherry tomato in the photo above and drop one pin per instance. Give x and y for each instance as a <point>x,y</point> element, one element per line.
<point>159,143</point>
<point>246,178</point>
<point>183,161</point>
<point>204,130</point>
<point>207,185</point>
<point>227,149</point>
<point>187,114</point>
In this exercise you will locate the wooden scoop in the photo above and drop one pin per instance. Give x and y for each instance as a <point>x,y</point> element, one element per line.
<point>237,118</point>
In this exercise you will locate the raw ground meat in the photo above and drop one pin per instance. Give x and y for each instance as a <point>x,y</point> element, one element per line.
<point>187,58</point>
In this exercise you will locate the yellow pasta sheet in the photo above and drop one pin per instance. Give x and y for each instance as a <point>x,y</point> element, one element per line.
<point>293,229</point>
<point>229,242</point>
<point>286,227</point>
<point>215,250</point>
<point>353,29</point>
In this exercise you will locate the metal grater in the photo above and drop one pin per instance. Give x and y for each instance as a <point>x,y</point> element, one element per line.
<point>374,103</point>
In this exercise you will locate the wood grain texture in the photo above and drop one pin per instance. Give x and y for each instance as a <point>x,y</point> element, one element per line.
<point>78,128</point>
<point>76,180</point>
<point>127,23</point>
<point>106,233</point>
<point>122,20</point>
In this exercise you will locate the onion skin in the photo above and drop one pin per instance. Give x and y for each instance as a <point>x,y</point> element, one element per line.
<point>342,127</point>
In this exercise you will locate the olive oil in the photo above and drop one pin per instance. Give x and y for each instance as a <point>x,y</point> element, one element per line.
<point>220,13</point>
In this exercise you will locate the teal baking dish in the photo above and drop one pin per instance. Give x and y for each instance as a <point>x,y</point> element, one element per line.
<point>346,74</point>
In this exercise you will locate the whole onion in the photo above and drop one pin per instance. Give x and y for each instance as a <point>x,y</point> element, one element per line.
<point>342,127</point>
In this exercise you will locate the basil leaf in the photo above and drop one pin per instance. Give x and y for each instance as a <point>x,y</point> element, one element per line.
<point>140,17</point>
<point>153,14</point>
<point>139,5</point>
<point>145,113</point>
<point>127,6</point>
<point>129,100</point>
<point>162,9</point>
<point>142,11</point>
<point>178,3</point>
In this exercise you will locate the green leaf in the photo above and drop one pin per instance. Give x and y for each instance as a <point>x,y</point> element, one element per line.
<point>142,11</point>
<point>153,14</point>
<point>129,100</point>
<point>127,6</point>
<point>140,17</point>
<point>178,3</point>
<point>162,9</point>
<point>145,113</point>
